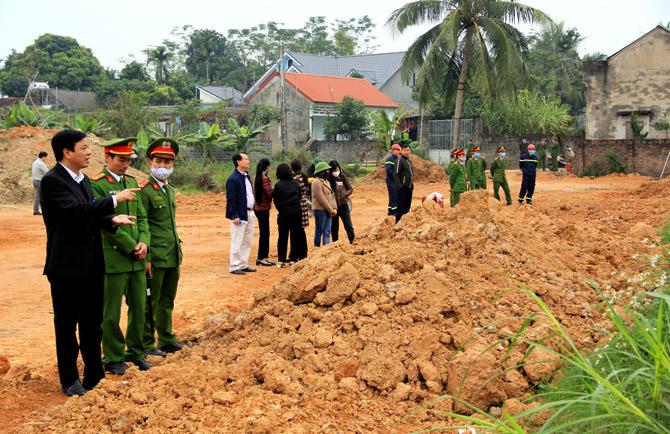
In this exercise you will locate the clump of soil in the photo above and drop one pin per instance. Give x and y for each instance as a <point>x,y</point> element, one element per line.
<point>359,336</point>
<point>425,171</point>
<point>19,148</point>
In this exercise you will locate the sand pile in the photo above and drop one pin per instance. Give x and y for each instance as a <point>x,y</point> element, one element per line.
<point>19,148</point>
<point>359,336</point>
<point>425,171</point>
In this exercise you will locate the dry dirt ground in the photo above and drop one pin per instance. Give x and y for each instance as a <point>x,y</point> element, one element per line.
<point>355,338</point>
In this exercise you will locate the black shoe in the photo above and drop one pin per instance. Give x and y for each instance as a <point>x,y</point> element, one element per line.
<point>75,389</point>
<point>171,348</point>
<point>265,262</point>
<point>238,272</point>
<point>37,213</point>
<point>116,368</point>
<point>142,364</point>
<point>249,270</point>
<point>156,352</point>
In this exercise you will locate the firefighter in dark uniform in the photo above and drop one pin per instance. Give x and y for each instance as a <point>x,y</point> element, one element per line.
<point>165,254</point>
<point>125,252</point>
<point>528,162</point>
<point>389,166</point>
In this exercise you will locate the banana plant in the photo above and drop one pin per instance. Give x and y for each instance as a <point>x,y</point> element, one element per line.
<point>20,115</point>
<point>243,135</point>
<point>209,137</point>
<point>91,125</point>
<point>386,127</point>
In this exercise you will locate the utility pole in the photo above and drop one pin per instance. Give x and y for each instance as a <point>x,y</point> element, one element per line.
<point>282,96</point>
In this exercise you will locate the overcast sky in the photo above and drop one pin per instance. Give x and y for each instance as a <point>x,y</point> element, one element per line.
<point>115,30</point>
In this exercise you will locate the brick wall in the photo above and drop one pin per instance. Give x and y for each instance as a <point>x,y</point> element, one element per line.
<point>646,157</point>
<point>350,151</point>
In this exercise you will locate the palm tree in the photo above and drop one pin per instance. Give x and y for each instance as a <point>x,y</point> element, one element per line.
<point>160,57</point>
<point>478,33</point>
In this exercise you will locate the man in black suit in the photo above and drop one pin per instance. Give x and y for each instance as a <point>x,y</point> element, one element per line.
<point>74,263</point>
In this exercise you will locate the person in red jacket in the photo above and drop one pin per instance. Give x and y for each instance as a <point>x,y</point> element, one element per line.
<point>262,205</point>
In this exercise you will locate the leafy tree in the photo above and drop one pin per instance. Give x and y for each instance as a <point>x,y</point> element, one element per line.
<point>14,86</point>
<point>263,114</point>
<point>469,32</point>
<point>354,36</point>
<point>527,113</point>
<point>128,114</point>
<point>554,67</point>
<point>204,48</point>
<point>636,126</point>
<point>159,58</point>
<point>351,118</point>
<point>663,124</point>
<point>134,71</point>
<point>108,91</point>
<point>594,57</point>
<point>59,60</point>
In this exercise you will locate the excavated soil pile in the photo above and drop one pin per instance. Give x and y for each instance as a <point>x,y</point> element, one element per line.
<point>425,171</point>
<point>359,336</point>
<point>19,148</point>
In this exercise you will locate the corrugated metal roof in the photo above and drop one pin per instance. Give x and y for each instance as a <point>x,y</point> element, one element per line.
<point>223,92</point>
<point>329,89</point>
<point>376,68</point>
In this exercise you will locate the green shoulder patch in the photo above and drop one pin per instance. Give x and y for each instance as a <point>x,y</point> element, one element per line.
<point>98,176</point>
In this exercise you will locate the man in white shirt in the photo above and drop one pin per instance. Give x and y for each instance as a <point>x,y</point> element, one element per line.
<point>239,210</point>
<point>38,170</point>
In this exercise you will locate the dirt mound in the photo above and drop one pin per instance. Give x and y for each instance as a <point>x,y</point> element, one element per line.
<point>655,188</point>
<point>359,335</point>
<point>425,171</point>
<point>19,148</point>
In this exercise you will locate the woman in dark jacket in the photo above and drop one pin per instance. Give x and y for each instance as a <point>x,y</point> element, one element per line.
<point>299,251</point>
<point>286,196</point>
<point>262,205</point>
<point>343,190</point>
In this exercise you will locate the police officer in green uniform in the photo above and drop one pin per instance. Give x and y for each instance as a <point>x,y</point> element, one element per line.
<point>498,168</point>
<point>542,152</point>
<point>475,169</point>
<point>457,177</point>
<point>124,253</point>
<point>165,254</point>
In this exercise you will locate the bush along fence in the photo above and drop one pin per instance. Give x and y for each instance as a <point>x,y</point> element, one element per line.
<point>646,157</point>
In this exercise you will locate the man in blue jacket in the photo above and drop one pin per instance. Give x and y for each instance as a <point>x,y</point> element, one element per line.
<point>239,207</point>
<point>528,161</point>
<point>389,166</point>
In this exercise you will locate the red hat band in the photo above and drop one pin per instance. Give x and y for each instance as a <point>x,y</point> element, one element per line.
<point>125,149</point>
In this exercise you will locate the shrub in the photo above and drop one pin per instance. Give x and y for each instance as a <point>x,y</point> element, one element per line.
<point>610,164</point>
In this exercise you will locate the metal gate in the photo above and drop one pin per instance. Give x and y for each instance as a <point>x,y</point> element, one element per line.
<point>441,132</point>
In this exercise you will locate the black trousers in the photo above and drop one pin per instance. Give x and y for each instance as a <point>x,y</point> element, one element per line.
<point>290,224</point>
<point>527,188</point>
<point>404,197</point>
<point>264,234</point>
<point>343,214</point>
<point>299,248</point>
<point>77,301</point>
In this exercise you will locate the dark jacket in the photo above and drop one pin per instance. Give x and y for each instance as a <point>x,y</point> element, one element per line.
<point>265,201</point>
<point>389,167</point>
<point>341,187</point>
<point>286,196</point>
<point>73,222</point>
<point>236,196</point>
<point>528,163</point>
<point>404,175</point>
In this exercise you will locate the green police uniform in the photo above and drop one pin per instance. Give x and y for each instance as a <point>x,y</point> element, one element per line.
<point>457,183</point>
<point>165,253</point>
<point>498,168</point>
<point>554,156</point>
<point>476,173</point>
<point>124,274</point>
<point>542,152</point>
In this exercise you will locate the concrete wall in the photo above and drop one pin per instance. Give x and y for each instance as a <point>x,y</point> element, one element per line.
<point>297,120</point>
<point>636,79</point>
<point>646,157</point>
<point>353,151</point>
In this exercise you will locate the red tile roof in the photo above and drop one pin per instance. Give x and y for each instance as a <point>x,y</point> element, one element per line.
<point>330,89</point>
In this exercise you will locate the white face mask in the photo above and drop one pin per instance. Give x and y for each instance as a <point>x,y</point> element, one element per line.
<point>461,159</point>
<point>161,173</point>
<point>336,173</point>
